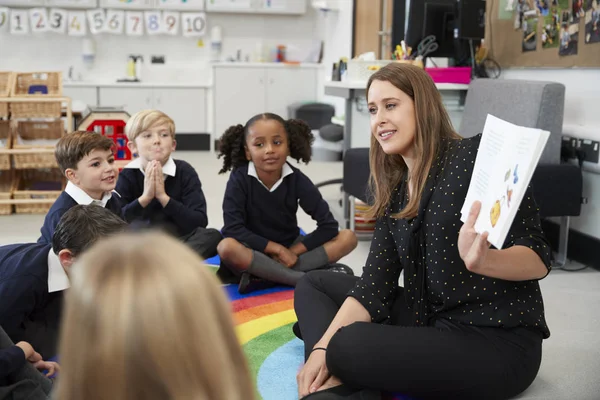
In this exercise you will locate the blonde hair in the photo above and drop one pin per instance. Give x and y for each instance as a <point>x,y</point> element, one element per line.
<point>433,127</point>
<point>146,119</point>
<point>145,319</point>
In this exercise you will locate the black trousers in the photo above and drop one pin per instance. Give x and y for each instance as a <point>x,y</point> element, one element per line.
<point>446,361</point>
<point>203,241</point>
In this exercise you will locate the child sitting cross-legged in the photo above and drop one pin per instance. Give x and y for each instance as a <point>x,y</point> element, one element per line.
<point>160,192</point>
<point>262,238</point>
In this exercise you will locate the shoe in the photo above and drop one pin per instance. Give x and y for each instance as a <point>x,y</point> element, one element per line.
<point>250,283</point>
<point>296,330</point>
<point>340,268</point>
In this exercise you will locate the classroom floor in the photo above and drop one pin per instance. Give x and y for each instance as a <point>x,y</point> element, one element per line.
<point>571,359</point>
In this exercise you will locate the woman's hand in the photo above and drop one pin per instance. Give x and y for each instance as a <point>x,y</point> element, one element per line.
<point>473,247</point>
<point>313,375</point>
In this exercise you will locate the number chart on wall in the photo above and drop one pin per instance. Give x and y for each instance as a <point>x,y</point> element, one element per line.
<point>97,21</point>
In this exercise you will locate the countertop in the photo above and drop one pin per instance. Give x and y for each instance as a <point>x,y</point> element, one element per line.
<point>142,84</point>
<point>363,85</point>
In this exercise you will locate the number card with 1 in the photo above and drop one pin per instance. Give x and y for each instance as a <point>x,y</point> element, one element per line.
<point>58,20</point>
<point>171,22</point>
<point>115,19</point>
<point>19,22</point>
<point>4,19</point>
<point>193,24</point>
<point>38,17</point>
<point>97,20</point>
<point>153,22</point>
<point>77,23</point>
<point>134,23</point>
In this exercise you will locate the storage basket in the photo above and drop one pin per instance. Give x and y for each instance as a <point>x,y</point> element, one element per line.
<point>36,84</point>
<point>5,88</point>
<point>36,109</point>
<point>36,155</point>
<point>41,187</point>
<point>6,184</point>
<point>4,145</point>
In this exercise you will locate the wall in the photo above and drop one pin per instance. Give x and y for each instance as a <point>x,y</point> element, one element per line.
<point>582,119</point>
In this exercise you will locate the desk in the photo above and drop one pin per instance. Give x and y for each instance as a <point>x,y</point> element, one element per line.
<point>357,131</point>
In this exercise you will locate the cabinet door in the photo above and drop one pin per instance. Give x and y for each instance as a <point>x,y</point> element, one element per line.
<point>129,5</point>
<point>183,5</point>
<point>72,3</point>
<point>281,6</point>
<point>22,3</point>
<point>239,94</point>
<point>87,95</point>
<point>289,85</point>
<point>237,6</point>
<point>131,99</point>
<point>187,108</point>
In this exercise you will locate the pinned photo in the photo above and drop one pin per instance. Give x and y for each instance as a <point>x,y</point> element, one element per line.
<point>551,29</point>
<point>592,23</point>
<point>530,34</point>
<point>543,7</point>
<point>569,37</point>
<point>523,10</point>
<point>578,11</point>
<point>588,5</point>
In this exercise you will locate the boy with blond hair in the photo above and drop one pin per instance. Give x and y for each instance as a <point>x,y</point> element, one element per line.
<point>158,191</point>
<point>87,161</point>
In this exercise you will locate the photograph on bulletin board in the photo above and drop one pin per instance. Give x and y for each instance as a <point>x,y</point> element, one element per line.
<point>569,36</point>
<point>592,21</point>
<point>551,29</point>
<point>529,28</point>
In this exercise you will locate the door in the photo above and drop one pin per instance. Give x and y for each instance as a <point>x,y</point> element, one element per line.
<point>370,34</point>
<point>87,95</point>
<point>239,94</point>
<point>72,3</point>
<point>183,5</point>
<point>187,108</point>
<point>289,85</point>
<point>131,99</point>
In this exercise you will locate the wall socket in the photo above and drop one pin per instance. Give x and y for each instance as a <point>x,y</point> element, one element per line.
<point>157,59</point>
<point>573,147</point>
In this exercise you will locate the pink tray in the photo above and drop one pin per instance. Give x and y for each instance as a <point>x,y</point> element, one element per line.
<point>450,74</point>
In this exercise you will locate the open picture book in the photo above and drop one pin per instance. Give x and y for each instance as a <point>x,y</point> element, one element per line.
<point>507,157</point>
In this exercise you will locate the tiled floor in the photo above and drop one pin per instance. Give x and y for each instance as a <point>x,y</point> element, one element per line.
<point>571,364</point>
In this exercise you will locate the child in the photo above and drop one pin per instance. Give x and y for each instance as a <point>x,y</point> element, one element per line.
<point>149,330</point>
<point>261,232</point>
<point>33,276</point>
<point>87,161</point>
<point>159,191</point>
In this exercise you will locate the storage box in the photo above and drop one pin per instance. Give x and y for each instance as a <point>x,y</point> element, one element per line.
<point>36,84</point>
<point>458,75</point>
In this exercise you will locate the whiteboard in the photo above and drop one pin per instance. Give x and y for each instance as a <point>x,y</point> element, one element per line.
<point>184,5</point>
<point>72,3</point>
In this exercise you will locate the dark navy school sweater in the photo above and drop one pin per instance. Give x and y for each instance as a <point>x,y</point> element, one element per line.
<point>11,359</point>
<point>63,203</point>
<point>27,311</point>
<point>253,215</point>
<point>185,211</point>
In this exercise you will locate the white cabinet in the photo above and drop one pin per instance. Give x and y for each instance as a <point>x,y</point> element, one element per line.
<point>128,5</point>
<point>257,6</point>
<point>182,5</point>
<point>187,107</point>
<point>72,3</point>
<point>88,95</point>
<point>242,92</point>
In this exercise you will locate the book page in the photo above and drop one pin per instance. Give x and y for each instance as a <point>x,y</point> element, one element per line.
<point>515,151</point>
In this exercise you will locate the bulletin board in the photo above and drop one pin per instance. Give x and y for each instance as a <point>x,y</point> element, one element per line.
<point>550,33</point>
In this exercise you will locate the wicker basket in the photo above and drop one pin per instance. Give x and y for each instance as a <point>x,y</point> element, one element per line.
<point>35,84</point>
<point>36,109</point>
<point>4,145</point>
<point>5,88</point>
<point>37,184</point>
<point>36,156</point>
<point>6,182</point>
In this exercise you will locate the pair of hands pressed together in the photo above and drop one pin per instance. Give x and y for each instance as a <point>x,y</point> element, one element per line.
<point>154,185</point>
<point>35,358</point>
<point>473,249</point>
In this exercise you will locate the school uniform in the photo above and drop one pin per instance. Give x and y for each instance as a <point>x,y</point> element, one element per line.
<point>32,282</point>
<point>70,197</point>
<point>184,216</point>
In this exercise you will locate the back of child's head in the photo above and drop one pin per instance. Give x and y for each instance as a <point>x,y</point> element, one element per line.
<point>72,147</point>
<point>82,225</point>
<point>147,317</point>
<point>147,119</point>
<point>233,141</point>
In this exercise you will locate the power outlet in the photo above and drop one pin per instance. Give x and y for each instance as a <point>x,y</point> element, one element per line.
<point>157,59</point>
<point>590,148</point>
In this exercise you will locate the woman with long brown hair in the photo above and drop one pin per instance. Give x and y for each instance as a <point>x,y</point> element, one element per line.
<point>144,319</point>
<point>468,322</point>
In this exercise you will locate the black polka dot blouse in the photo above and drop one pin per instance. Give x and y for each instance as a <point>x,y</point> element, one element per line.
<point>440,286</point>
